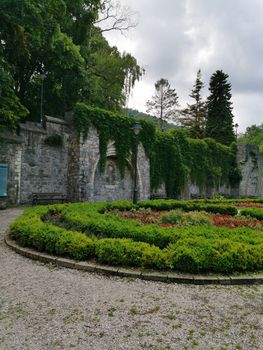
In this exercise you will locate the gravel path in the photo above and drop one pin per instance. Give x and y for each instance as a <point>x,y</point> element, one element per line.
<point>45,307</point>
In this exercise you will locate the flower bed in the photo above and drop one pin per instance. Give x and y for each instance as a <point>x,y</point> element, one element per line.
<point>90,231</point>
<point>148,216</point>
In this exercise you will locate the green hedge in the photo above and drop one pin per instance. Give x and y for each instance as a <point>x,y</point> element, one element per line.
<point>253,212</point>
<point>117,241</point>
<point>209,207</point>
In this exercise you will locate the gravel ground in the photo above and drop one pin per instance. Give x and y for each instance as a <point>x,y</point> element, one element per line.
<point>45,307</point>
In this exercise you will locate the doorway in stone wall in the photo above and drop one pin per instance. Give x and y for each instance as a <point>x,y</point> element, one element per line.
<point>109,185</point>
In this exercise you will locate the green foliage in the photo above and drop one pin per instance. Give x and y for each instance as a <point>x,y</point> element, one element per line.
<point>120,252</point>
<point>174,158</point>
<point>57,40</point>
<point>189,249</point>
<point>193,218</point>
<point>219,124</point>
<point>167,164</point>
<point>113,74</point>
<point>54,140</point>
<point>253,136</point>
<point>218,255</point>
<point>112,126</point>
<point>134,113</point>
<point>194,116</point>
<point>199,205</point>
<point>11,110</point>
<point>89,220</point>
<point>253,212</point>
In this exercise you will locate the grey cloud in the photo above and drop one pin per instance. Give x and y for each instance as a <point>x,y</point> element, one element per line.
<point>177,37</point>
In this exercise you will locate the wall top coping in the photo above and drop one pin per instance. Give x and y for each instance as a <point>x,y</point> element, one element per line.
<point>10,137</point>
<point>31,126</point>
<point>55,120</point>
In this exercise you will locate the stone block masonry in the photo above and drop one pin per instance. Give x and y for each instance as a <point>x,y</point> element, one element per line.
<point>72,168</point>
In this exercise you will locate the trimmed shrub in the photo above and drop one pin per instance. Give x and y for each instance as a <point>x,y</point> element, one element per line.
<point>179,217</point>
<point>253,213</point>
<point>117,241</point>
<point>189,206</point>
<point>120,251</point>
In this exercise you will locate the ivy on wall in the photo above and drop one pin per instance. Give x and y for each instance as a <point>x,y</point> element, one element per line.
<point>112,126</point>
<point>174,158</point>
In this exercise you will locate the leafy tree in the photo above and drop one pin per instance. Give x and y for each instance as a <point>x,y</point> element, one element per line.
<point>37,38</point>
<point>113,74</point>
<point>134,113</point>
<point>253,136</point>
<point>219,124</point>
<point>164,102</point>
<point>194,116</point>
<point>54,45</point>
<point>11,110</point>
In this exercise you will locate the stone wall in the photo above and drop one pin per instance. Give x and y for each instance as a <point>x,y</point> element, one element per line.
<point>33,165</point>
<point>251,165</point>
<point>44,168</point>
<point>95,185</point>
<point>73,167</point>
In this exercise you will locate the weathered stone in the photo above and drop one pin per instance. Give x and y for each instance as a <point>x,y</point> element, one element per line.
<point>73,168</point>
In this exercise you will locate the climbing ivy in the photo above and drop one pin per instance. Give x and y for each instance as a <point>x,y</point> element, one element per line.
<point>167,164</point>
<point>112,126</point>
<point>174,158</point>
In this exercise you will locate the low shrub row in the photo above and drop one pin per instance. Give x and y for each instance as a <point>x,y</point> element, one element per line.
<point>253,212</point>
<point>189,206</point>
<point>108,239</point>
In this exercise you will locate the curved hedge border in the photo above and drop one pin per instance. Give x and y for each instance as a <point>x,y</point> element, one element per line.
<point>168,277</point>
<point>116,241</point>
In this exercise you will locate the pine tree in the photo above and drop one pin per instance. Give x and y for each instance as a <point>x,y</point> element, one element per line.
<point>219,124</point>
<point>194,116</point>
<point>164,103</point>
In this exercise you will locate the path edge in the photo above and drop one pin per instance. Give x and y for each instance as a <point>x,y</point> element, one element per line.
<point>167,277</point>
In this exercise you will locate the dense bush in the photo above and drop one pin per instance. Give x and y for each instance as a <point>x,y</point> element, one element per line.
<point>254,213</point>
<point>117,241</point>
<point>210,207</point>
<point>193,218</point>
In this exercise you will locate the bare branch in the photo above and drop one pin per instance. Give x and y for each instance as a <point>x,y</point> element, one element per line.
<point>113,16</point>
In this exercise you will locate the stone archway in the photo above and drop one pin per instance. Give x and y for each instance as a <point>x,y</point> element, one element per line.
<point>109,185</point>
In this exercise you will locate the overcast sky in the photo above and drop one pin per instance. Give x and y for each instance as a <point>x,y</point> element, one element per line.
<point>174,38</point>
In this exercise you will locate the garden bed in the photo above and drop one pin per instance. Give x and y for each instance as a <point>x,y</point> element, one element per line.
<point>111,233</point>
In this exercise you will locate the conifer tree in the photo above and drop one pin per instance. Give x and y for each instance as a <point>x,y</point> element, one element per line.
<point>164,102</point>
<point>194,116</point>
<point>219,125</point>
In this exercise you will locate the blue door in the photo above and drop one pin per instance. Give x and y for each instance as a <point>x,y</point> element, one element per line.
<point>3,179</point>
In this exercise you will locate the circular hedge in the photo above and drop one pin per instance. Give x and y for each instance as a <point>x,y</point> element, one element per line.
<point>86,231</point>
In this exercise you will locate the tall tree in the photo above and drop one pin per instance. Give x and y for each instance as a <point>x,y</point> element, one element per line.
<point>219,125</point>
<point>164,102</point>
<point>113,74</point>
<point>54,44</point>
<point>11,110</point>
<point>194,116</point>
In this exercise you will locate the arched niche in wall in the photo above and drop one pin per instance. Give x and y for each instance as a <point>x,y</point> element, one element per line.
<point>109,185</point>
